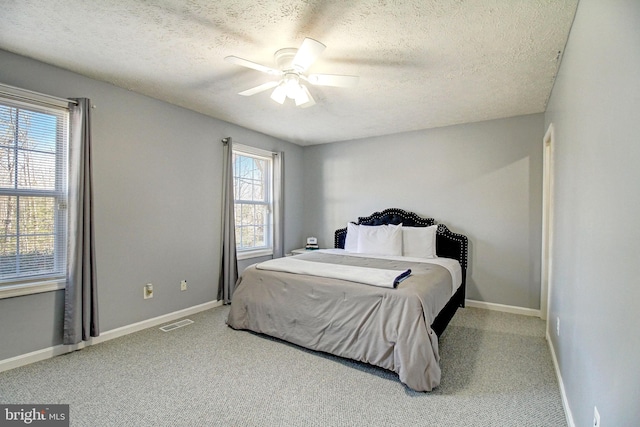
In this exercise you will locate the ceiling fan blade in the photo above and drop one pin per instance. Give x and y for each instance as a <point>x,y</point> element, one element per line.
<point>258,89</point>
<point>309,50</point>
<point>253,65</point>
<point>333,80</point>
<point>304,98</point>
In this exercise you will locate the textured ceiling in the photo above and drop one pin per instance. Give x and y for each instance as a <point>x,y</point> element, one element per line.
<point>422,63</point>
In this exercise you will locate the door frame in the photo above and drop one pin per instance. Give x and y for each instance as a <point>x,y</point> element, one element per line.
<point>548,144</point>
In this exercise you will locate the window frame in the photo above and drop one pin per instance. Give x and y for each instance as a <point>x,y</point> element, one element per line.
<point>48,281</point>
<point>267,250</point>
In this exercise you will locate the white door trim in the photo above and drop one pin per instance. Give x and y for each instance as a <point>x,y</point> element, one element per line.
<point>548,144</point>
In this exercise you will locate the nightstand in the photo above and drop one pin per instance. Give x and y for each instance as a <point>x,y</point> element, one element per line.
<point>300,251</point>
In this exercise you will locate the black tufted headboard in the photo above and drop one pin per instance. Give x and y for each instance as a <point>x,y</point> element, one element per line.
<point>448,243</point>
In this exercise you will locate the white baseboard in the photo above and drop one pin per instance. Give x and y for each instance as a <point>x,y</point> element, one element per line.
<point>47,353</point>
<point>565,403</point>
<point>149,323</point>
<point>504,308</point>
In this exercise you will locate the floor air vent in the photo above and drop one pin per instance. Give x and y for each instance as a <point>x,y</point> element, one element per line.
<point>172,326</point>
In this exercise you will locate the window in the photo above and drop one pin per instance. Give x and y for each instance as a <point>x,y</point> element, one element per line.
<point>33,192</point>
<point>252,184</point>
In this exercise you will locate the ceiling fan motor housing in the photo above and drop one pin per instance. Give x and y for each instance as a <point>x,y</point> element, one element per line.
<point>284,58</point>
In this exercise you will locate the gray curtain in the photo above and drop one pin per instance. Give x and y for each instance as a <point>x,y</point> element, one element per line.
<point>229,264</point>
<point>278,205</point>
<point>81,291</point>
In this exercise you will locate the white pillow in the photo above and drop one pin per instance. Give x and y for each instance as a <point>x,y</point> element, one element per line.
<point>351,240</point>
<point>380,239</point>
<point>419,242</point>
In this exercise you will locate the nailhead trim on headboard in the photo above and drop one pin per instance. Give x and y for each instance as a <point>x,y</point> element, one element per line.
<point>410,219</point>
<point>461,239</point>
<point>396,216</point>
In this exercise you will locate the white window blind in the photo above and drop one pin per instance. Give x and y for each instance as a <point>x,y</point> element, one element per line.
<point>33,191</point>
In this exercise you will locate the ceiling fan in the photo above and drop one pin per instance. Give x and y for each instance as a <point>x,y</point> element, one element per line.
<point>291,65</point>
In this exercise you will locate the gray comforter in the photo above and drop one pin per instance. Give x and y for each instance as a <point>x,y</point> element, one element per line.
<point>385,327</point>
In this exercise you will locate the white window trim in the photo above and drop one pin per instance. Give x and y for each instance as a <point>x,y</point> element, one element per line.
<point>30,288</point>
<point>254,253</point>
<point>260,252</point>
<point>252,150</point>
<point>19,94</point>
<point>32,285</point>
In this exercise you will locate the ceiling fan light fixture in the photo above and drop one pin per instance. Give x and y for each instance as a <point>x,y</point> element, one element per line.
<point>279,93</point>
<point>292,85</point>
<point>305,99</point>
<point>303,96</point>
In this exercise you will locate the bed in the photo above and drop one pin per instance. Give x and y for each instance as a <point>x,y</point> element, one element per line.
<point>367,302</point>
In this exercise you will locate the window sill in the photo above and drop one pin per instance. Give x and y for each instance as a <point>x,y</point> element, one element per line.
<point>17,290</point>
<point>254,254</point>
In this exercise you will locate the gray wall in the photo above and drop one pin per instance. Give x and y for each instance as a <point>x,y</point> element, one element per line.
<point>480,179</point>
<point>595,110</point>
<point>157,199</point>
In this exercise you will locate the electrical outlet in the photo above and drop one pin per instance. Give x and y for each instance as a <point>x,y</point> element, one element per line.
<point>147,291</point>
<point>596,417</point>
<point>183,285</point>
<point>557,326</point>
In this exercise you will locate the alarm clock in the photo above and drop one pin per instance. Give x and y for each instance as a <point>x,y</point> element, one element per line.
<point>312,243</point>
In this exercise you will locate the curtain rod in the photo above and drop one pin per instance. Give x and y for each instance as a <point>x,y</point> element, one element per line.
<point>29,95</point>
